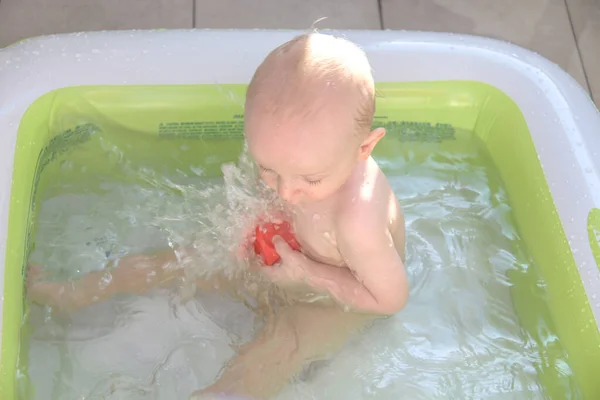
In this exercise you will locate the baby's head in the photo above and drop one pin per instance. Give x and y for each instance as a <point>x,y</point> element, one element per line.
<point>309,111</point>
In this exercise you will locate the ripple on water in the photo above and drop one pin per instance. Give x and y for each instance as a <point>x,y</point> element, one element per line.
<point>458,337</point>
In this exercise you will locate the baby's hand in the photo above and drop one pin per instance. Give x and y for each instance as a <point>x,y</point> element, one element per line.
<point>290,268</point>
<point>244,249</point>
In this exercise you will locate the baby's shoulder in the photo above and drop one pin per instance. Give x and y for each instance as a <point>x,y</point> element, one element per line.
<point>368,199</point>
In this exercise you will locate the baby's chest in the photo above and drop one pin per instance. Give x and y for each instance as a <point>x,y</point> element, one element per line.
<point>317,237</point>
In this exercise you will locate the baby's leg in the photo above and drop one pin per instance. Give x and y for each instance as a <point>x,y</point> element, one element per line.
<point>292,337</point>
<point>134,274</point>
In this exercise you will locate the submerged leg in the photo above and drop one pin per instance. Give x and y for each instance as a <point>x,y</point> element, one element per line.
<point>292,337</point>
<point>133,274</point>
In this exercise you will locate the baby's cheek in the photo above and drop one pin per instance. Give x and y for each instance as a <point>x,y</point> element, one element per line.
<point>320,192</point>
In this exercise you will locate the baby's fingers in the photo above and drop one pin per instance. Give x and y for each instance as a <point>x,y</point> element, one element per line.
<point>281,246</point>
<point>275,273</point>
<point>285,251</point>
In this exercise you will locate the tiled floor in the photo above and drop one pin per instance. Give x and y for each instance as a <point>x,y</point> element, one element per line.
<point>565,31</point>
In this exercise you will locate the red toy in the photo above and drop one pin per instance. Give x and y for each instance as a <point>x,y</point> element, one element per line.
<point>263,245</point>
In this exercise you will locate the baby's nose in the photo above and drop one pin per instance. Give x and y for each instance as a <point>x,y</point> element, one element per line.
<point>286,191</point>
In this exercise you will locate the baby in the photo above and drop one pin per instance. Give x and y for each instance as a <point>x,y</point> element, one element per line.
<point>308,116</point>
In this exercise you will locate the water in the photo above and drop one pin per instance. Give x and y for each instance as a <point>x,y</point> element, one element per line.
<point>458,338</point>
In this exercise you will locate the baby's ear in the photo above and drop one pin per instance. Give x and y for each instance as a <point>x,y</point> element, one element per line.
<point>369,143</point>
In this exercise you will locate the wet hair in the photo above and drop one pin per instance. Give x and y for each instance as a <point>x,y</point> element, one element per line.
<point>288,81</point>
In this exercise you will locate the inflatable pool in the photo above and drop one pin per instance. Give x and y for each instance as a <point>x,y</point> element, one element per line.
<point>168,88</point>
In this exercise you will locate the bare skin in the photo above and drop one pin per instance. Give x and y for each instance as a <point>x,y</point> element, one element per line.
<point>308,114</point>
<point>346,217</point>
<point>135,274</point>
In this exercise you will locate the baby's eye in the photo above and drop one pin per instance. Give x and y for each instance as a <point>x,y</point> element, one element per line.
<point>264,169</point>
<point>314,183</point>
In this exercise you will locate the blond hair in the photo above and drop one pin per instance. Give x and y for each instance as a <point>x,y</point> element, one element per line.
<point>286,81</point>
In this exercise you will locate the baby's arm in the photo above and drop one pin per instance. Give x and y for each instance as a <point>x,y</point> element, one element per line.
<point>374,280</point>
<point>367,246</point>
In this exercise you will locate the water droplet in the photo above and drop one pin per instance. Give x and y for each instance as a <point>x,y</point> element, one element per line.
<point>96,51</point>
<point>197,170</point>
<point>106,279</point>
<point>66,164</point>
